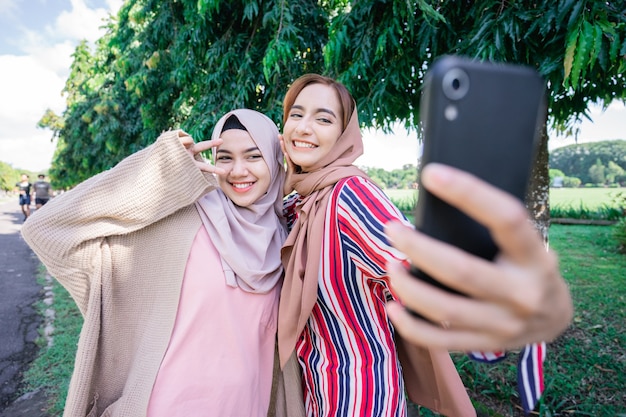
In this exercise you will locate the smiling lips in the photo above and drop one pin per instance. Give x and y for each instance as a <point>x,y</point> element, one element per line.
<point>241,187</point>
<point>300,144</point>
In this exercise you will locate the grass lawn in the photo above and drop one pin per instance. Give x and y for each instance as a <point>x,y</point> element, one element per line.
<point>587,197</point>
<point>580,203</point>
<point>585,370</point>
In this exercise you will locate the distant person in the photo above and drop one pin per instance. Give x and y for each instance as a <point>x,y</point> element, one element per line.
<point>24,188</point>
<point>42,191</point>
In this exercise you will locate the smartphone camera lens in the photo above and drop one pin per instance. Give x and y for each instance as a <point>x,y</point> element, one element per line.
<point>455,84</point>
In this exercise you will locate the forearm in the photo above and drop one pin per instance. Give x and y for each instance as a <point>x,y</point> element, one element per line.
<point>69,233</point>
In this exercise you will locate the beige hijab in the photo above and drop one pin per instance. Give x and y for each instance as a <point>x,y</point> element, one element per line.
<point>301,251</point>
<point>430,375</point>
<point>249,239</point>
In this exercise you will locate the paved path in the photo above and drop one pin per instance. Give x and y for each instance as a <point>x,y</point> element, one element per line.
<point>19,290</point>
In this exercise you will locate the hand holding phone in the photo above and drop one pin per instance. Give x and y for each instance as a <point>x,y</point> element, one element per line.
<point>484,118</point>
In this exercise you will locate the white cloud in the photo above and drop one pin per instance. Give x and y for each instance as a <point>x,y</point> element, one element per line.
<point>57,58</point>
<point>608,124</point>
<point>80,23</point>
<point>114,5</point>
<point>389,151</point>
<point>32,150</point>
<point>8,7</point>
<point>32,83</point>
<point>28,89</point>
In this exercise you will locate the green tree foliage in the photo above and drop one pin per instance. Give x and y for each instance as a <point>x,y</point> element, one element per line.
<point>596,172</point>
<point>578,159</point>
<point>8,177</point>
<point>554,173</point>
<point>50,120</point>
<point>182,63</point>
<point>571,182</point>
<point>559,179</point>
<point>381,50</point>
<point>613,172</point>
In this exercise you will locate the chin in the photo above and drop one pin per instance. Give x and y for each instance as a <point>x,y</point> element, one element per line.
<point>304,164</point>
<point>243,201</point>
<point>240,203</point>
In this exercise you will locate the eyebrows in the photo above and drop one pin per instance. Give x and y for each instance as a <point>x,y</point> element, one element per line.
<point>319,110</point>
<point>252,149</point>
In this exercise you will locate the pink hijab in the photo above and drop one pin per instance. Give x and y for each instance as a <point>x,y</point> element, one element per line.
<point>249,239</point>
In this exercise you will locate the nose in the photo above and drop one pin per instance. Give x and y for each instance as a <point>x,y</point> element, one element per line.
<point>240,168</point>
<point>303,127</point>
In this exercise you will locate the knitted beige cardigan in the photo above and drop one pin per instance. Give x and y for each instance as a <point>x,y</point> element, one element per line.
<point>119,244</point>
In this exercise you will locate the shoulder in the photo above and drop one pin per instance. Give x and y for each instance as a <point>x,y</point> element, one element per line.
<point>358,188</point>
<point>361,197</point>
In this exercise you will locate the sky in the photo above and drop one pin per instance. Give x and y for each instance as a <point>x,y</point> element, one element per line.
<point>37,38</point>
<point>394,151</point>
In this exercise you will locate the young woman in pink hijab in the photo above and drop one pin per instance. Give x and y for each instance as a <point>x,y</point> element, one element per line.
<point>332,314</point>
<point>175,266</point>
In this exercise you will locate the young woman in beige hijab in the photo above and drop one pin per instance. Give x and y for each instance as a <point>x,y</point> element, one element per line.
<point>176,271</point>
<point>332,314</point>
<point>338,303</point>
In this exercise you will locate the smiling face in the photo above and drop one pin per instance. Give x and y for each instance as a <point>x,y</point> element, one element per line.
<point>247,176</point>
<point>313,125</point>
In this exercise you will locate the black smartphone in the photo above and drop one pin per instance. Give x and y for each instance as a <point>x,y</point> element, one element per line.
<point>485,118</point>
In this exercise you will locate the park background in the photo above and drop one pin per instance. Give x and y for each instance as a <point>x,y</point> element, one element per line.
<point>578,45</point>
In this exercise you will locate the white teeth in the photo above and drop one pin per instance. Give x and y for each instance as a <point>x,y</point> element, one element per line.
<point>244,185</point>
<point>299,144</point>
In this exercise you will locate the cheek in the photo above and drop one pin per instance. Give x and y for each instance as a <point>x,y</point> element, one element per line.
<point>329,142</point>
<point>264,174</point>
<point>221,179</point>
<point>288,129</point>
<point>331,137</point>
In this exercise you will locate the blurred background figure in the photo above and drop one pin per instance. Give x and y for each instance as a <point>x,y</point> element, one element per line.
<point>24,189</point>
<point>42,191</point>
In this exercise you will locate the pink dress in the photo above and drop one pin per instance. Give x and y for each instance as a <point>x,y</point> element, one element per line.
<point>219,361</point>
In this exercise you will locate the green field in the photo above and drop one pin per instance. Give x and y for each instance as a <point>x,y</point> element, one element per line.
<point>590,198</point>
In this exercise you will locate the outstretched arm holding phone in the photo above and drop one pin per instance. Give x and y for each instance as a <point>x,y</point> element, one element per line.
<point>518,298</point>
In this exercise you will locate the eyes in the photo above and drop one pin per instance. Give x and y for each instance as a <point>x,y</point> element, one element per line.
<point>252,157</point>
<point>321,118</point>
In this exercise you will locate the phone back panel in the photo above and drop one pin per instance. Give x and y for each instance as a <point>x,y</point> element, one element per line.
<point>484,118</point>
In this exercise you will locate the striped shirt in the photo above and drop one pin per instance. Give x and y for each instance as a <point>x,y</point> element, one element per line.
<point>347,350</point>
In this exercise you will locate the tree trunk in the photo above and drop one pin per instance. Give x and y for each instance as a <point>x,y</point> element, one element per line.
<point>538,195</point>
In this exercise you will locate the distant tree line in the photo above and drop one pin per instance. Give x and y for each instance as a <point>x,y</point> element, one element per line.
<point>589,164</point>
<point>402,178</point>
<point>9,176</point>
<point>586,164</point>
